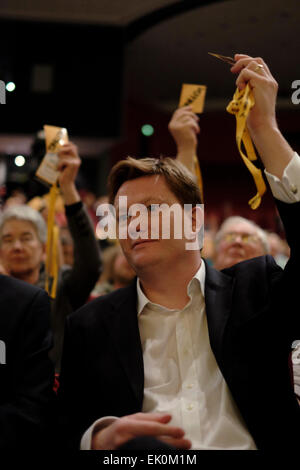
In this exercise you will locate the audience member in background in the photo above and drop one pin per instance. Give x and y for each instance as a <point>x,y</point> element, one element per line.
<point>17,197</point>
<point>117,272</point>
<point>89,200</point>
<point>41,204</point>
<point>67,246</point>
<point>26,372</point>
<point>22,248</point>
<point>237,240</point>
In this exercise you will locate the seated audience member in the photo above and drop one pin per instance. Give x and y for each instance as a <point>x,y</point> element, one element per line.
<point>181,356</point>
<point>116,273</point>
<point>23,235</point>
<point>237,240</point>
<point>17,197</point>
<point>26,372</point>
<point>67,246</point>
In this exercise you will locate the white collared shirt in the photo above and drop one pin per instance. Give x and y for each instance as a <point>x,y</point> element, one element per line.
<point>182,377</point>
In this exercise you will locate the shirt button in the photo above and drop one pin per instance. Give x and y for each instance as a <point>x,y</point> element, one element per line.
<point>294,189</point>
<point>190,407</point>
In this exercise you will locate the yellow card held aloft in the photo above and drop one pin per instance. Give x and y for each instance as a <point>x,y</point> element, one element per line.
<point>55,137</point>
<point>193,95</point>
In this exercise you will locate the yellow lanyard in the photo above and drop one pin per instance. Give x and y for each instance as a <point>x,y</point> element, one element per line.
<point>51,264</point>
<point>241,104</point>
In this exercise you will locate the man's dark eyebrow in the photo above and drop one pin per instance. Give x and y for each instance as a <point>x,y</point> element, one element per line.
<point>5,235</point>
<point>152,200</point>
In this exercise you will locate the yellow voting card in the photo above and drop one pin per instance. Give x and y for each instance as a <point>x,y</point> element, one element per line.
<point>193,95</point>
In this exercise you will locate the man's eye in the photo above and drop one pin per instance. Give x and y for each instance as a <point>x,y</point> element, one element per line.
<point>27,238</point>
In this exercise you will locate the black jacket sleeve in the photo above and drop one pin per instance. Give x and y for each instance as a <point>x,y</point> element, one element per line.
<point>78,282</point>
<point>26,377</point>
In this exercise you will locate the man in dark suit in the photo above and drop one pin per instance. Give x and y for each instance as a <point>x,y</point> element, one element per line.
<point>26,372</point>
<point>189,355</point>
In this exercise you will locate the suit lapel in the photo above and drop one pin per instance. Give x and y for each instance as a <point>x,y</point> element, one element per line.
<point>123,324</point>
<point>218,300</point>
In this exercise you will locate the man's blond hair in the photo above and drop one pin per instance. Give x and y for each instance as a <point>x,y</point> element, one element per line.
<point>180,181</point>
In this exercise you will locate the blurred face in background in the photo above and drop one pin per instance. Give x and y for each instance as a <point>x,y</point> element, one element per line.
<point>239,241</point>
<point>67,245</point>
<point>122,271</point>
<point>21,250</point>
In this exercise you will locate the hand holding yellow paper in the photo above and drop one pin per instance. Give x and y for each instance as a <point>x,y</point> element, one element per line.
<point>194,96</point>
<point>241,105</point>
<point>55,137</point>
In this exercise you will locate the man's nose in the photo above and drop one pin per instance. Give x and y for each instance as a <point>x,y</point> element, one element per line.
<point>17,244</point>
<point>238,239</point>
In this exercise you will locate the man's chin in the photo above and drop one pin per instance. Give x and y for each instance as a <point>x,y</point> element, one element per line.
<point>235,260</point>
<point>20,272</point>
<point>143,260</point>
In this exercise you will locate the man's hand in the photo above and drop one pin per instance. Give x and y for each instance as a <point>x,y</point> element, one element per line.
<point>184,127</point>
<point>139,424</point>
<point>264,87</point>
<point>69,163</point>
<point>274,150</point>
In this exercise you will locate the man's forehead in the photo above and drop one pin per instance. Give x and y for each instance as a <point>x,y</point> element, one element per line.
<point>17,225</point>
<point>142,181</point>
<point>240,227</point>
<point>143,189</point>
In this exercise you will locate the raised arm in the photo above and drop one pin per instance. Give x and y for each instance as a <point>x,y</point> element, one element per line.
<point>273,149</point>
<point>78,281</point>
<point>184,128</point>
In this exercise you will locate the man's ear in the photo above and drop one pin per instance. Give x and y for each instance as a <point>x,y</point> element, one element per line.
<point>195,228</point>
<point>197,217</point>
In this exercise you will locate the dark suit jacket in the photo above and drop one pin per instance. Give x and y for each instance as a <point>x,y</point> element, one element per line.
<point>26,372</point>
<point>252,322</point>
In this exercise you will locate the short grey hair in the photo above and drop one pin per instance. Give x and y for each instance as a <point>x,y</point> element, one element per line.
<point>26,213</point>
<point>262,235</point>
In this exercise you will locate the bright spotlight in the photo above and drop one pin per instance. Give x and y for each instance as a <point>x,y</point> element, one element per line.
<point>10,86</point>
<point>19,160</point>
